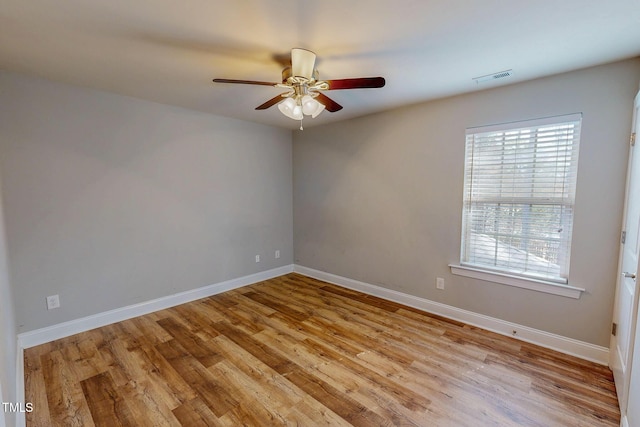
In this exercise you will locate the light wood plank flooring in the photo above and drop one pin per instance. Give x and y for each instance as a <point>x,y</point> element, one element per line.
<point>301,352</point>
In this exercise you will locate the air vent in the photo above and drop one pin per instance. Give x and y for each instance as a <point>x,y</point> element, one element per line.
<point>494,76</point>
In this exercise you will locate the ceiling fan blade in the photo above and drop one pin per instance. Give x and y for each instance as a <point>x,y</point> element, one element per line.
<point>331,105</point>
<point>244,82</point>
<point>359,83</point>
<point>270,103</point>
<point>303,62</point>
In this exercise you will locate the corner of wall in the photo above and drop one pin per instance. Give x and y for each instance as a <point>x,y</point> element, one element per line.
<point>8,345</point>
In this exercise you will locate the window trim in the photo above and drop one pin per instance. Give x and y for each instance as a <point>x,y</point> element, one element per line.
<point>517,281</point>
<point>486,273</point>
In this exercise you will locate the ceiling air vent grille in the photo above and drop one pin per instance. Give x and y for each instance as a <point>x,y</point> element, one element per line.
<point>495,76</point>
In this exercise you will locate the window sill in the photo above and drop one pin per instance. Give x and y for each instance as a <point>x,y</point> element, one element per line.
<point>519,282</point>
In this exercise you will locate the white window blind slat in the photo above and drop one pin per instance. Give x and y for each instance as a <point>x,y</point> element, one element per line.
<point>519,192</point>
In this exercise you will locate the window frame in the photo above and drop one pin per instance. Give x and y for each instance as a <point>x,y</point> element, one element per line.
<point>493,273</point>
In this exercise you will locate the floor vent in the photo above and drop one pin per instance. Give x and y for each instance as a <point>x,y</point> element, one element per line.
<point>494,76</point>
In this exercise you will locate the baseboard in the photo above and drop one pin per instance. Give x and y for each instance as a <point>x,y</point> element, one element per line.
<point>624,422</point>
<point>559,343</point>
<point>65,329</point>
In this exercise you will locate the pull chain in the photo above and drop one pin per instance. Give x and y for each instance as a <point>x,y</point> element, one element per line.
<point>301,128</point>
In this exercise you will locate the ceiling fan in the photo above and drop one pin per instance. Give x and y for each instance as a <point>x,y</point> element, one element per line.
<point>302,85</point>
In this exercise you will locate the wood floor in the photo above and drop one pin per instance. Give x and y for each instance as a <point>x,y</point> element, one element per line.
<point>297,351</point>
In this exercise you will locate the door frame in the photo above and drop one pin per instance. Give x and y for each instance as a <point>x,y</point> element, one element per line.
<point>622,390</point>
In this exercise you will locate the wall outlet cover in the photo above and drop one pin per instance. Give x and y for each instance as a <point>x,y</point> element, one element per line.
<point>53,301</point>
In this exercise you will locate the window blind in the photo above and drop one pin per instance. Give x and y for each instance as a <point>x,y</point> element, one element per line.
<point>519,194</point>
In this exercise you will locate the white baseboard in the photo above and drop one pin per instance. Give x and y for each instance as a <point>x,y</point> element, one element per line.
<point>65,329</point>
<point>562,344</point>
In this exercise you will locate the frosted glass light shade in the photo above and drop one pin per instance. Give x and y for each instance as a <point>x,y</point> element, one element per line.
<point>311,107</point>
<point>319,109</point>
<point>297,112</point>
<point>308,105</point>
<point>291,109</point>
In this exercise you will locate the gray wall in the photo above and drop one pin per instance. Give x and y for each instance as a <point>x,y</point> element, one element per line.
<point>111,201</point>
<point>379,199</point>
<point>7,332</point>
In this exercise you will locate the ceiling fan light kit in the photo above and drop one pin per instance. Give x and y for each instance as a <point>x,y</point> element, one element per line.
<point>302,96</point>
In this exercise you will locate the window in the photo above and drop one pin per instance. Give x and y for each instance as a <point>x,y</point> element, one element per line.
<point>519,192</point>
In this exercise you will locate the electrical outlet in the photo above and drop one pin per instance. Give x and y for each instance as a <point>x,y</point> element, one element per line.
<point>277,253</point>
<point>53,301</point>
<point>439,283</point>
<point>257,258</point>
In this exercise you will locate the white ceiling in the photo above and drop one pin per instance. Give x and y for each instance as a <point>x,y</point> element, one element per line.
<point>169,50</point>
